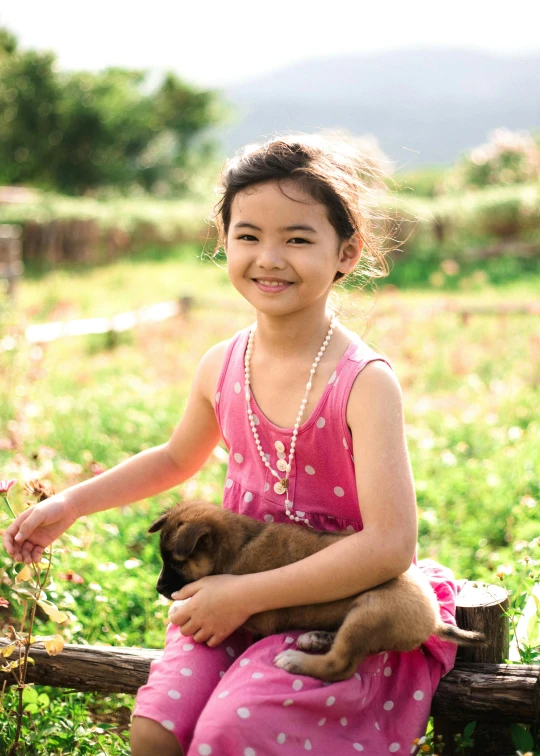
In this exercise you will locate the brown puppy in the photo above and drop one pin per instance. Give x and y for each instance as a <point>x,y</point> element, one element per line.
<point>199,539</point>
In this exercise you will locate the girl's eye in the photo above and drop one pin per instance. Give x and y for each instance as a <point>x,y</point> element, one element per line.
<point>247,237</point>
<point>301,241</point>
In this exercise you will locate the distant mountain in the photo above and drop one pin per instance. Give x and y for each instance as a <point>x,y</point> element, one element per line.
<point>424,106</point>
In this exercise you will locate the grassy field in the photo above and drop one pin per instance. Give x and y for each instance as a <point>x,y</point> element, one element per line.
<point>472,420</point>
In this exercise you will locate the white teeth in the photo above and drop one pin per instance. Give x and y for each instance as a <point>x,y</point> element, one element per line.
<point>272,283</point>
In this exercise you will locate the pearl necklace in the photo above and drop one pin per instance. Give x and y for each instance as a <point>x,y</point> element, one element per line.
<point>282,484</point>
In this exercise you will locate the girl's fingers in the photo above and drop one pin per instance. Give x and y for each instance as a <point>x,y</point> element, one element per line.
<point>11,531</point>
<point>36,554</point>
<point>29,524</point>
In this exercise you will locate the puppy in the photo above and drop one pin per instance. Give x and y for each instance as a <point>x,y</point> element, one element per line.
<point>199,539</point>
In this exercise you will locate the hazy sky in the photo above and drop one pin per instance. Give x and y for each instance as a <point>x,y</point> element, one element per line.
<point>215,43</point>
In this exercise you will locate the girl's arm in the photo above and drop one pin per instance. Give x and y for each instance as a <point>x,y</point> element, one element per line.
<point>146,474</point>
<point>385,547</point>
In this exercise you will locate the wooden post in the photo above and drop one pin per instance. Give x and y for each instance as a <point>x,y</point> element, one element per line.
<point>11,266</point>
<point>479,607</point>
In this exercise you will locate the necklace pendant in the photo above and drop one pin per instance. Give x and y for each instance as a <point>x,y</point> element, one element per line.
<point>281,486</point>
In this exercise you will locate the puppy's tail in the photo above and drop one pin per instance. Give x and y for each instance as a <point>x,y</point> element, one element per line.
<point>460,637</point>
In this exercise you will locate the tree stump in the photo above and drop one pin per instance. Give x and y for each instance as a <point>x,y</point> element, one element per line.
<point>480,607</point>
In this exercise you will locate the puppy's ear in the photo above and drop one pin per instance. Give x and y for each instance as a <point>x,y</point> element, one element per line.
<point>195,535</point>
<point>159,523</point>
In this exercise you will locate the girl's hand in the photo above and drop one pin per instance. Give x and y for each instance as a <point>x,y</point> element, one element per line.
<point>216,608</point>
<point>37,527</point>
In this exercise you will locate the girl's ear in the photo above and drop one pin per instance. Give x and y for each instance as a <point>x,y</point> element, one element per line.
<point>349,254</point>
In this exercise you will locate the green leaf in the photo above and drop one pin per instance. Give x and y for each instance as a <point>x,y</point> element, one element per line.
<point>532,630</point>
<point>30,695</point>
<point>469,729</point>
<point>522,738</point>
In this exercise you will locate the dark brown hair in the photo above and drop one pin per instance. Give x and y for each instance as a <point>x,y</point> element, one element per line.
<point>332,171</point>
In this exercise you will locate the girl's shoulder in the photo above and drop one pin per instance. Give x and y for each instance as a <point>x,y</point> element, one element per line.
<point>212,364</point>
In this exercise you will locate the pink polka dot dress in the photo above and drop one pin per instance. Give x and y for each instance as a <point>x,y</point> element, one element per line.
<point>232,700</point>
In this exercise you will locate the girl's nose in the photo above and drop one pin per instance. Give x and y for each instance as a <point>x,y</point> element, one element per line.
<point>269,257</point>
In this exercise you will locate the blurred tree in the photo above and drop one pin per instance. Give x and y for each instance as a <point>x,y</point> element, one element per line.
<point>79,131</point>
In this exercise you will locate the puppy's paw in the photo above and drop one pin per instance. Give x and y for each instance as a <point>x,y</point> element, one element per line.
<point>292,661</point>
<point>317,640</point>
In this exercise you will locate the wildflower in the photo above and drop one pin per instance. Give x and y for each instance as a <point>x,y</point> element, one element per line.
<point>5,485</point>
<point>450,267</point>
<point>71,577</point>
<point>42,489</point>
<point>97,469</point>
<point>4,603</point>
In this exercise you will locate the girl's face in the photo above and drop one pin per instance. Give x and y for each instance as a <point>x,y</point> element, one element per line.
<point>283,253</point>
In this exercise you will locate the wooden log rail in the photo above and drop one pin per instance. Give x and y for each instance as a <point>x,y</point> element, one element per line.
<point>479,687</point>
<point>470,691</point>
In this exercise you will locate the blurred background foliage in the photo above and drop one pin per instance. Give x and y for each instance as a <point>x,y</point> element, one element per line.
<point>75,132</point>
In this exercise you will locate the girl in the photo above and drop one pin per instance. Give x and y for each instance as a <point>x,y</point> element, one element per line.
<point>313,420</point>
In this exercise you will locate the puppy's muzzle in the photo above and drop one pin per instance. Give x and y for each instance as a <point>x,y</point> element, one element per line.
<point>169,581</point>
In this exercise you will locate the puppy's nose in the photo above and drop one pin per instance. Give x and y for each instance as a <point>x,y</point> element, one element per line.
<point>164,589</point>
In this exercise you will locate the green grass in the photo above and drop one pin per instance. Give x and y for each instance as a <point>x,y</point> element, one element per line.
<point>471,407</point>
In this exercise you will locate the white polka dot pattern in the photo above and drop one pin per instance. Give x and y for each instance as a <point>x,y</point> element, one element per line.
<point>281,738</point>
<point>243,713</point>
<point>250,752</point>
<point>321,422</point>
<point>307,745</point>
<point>309,469</point>
<point>268,518</point>
<point>288,702</point>
<point>237,387</point>
<point>238,458</point>
<point>174,694</point>
<point>418,695</point>
<point>394,747</point>
<point>339,491</point>
<point>167,724</point>
<point>248,496</point>
<point>186,671</point>
<point>388,705</point>
<point>358,746</point>
<point>330,701</point>
<point>298,685</point>
<point>204,750</point>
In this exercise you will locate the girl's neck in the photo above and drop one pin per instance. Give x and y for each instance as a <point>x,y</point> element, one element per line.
<point>291,336</point>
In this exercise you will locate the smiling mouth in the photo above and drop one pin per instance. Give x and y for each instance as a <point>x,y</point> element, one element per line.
<point>271,282</point>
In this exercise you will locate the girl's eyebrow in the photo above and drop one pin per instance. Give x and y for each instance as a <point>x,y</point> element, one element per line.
<point>297,227</point>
